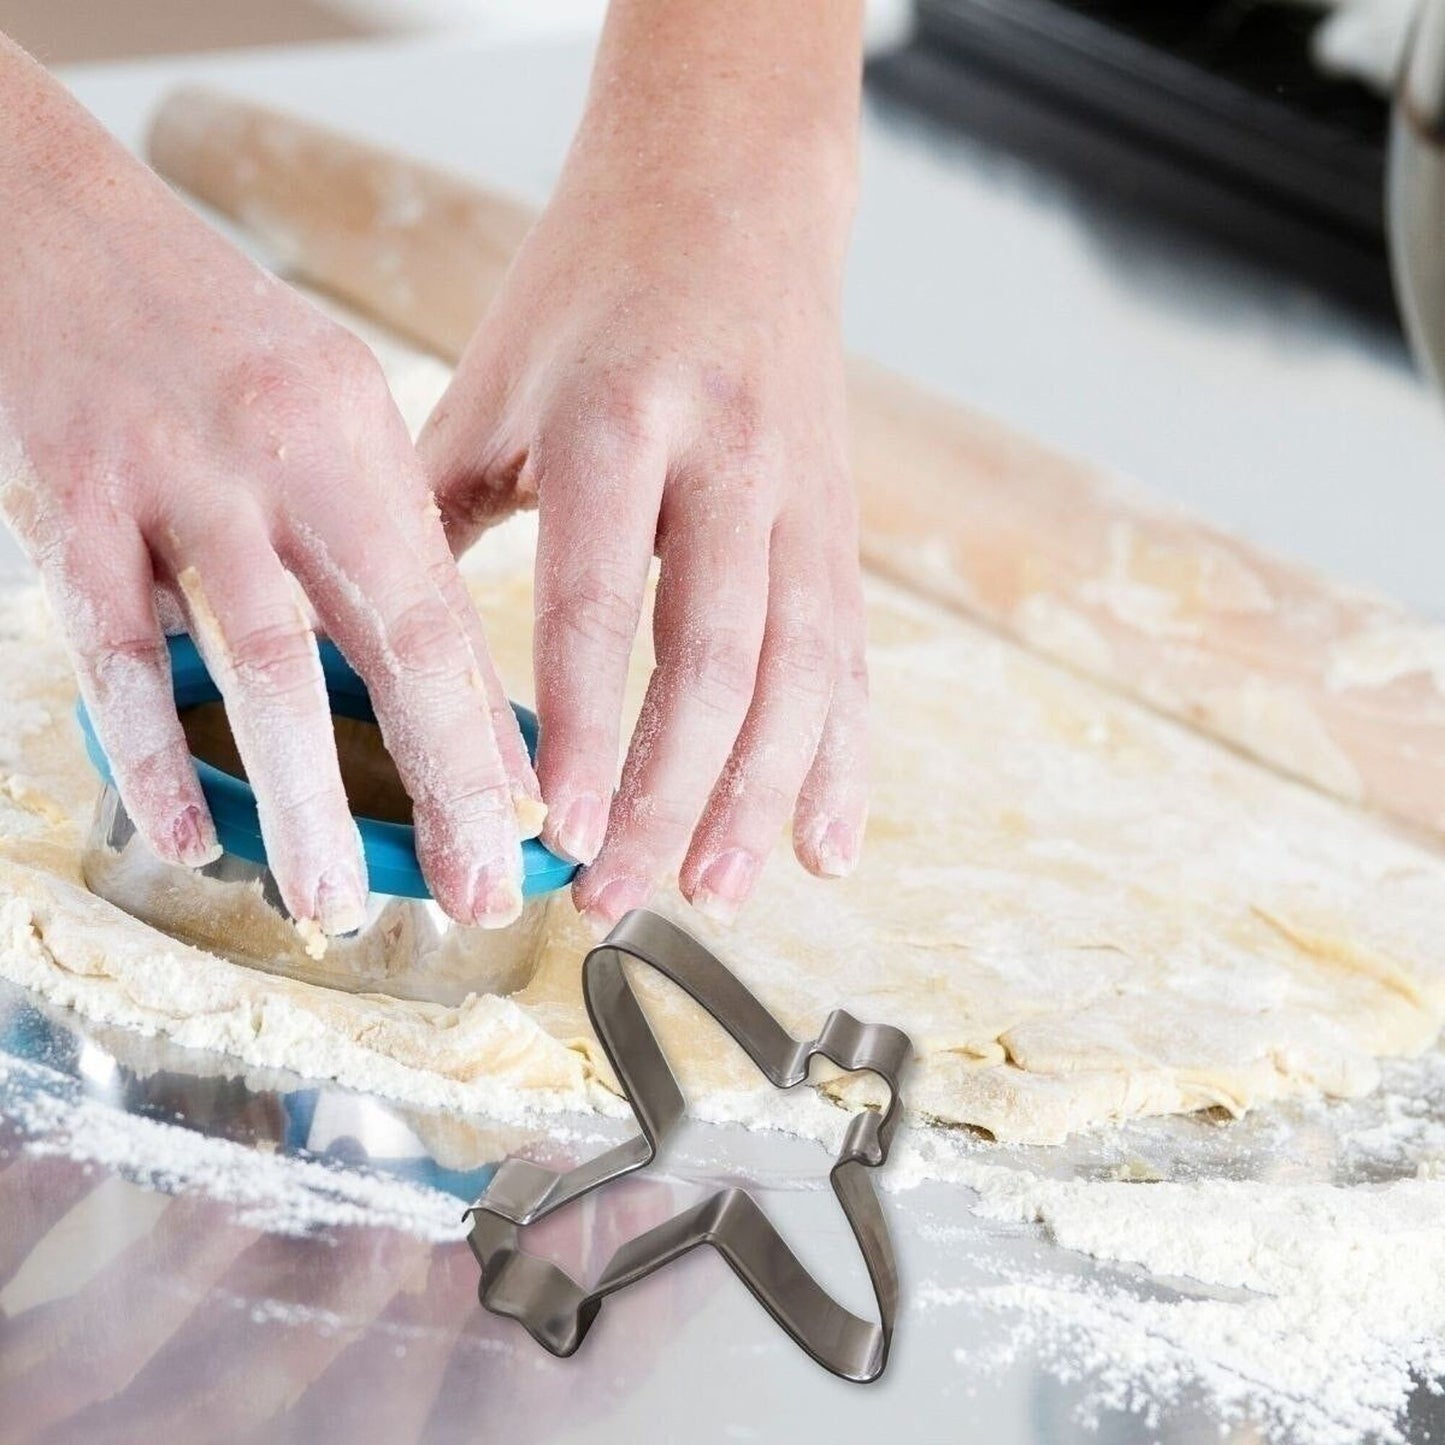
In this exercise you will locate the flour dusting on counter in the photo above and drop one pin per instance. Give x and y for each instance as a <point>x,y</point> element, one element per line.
<point>1330,1301</point>
<point>270,1192</point>
<point>1278,1299</point>
<point>1304,1296</point>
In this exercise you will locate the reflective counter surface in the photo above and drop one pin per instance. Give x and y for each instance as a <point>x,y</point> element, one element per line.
<point>134,1304</point>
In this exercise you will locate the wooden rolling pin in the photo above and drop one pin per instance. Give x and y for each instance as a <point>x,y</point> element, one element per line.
<point>1340,689</point>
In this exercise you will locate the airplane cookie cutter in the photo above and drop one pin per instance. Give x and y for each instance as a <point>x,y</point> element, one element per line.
<point>556,1310</point>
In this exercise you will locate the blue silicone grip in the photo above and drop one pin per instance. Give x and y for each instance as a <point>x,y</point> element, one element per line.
<point>390,848</point>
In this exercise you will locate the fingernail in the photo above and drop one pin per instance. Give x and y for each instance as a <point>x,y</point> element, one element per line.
<point>496,897</point>
<point>835,850</point>
<point>340,901</point>
<point>531,814</point>
<point>580,833</point>
<point>194,838</point>
<point>725,884</point>
<point>620,896</point>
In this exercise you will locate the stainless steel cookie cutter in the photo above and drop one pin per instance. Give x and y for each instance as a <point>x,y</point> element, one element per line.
<point>406,946</point>
<point>556,1310</point>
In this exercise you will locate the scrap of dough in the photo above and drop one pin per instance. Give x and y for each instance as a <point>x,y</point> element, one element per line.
<point>1078,910</point>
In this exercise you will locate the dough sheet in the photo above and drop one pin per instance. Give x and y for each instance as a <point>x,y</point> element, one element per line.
<point>1078,910</point>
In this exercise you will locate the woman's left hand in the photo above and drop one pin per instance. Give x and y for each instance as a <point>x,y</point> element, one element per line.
<point>662,374</point>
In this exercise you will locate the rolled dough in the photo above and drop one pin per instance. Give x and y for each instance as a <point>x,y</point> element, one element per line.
<point>1079,910</point>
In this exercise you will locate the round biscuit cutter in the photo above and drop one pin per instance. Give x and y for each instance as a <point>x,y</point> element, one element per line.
<point>407,946</point>
<point>557,1311</point>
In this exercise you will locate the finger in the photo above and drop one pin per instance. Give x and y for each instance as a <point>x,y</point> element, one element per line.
<point>105,603</point>
<point>462,498</point>
<point>759,787</point>
<point>708,626</point>
<point>231,1373</point>
<point>243,614</point>
<point>591,581</point>
<point>833,805</point>
<point>379,600</point>
<point>527,804</point>
<point>476,475</point>
<point>36,1190</point>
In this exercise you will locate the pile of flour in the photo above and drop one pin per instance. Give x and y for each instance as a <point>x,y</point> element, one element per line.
<point>1340,1301</point>
<point>1312,1310</point>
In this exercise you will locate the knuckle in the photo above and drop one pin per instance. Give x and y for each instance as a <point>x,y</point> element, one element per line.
<point>769,800</point>
<point>659,819</point>
<point>149,770</point>
<point>293,394</point>
<point>579,737</point>
<point>150,441</point>
<point>147,649</point>
<point>424,637</point>
<point>276,411</point>
<point>270,381</point>
<point>719,669</point>
<point>346,359</point>
<point>275,658</point>
<point>755,784</point>
<point>107,650</point>
<point>597,608</point>
<point>448,581</point>
<point>752,483</point>
<point>732,496</point>
<point>480,803</point>
<point>594,431</point>
<point>115,666</point>
<point>805,655</point>
<point>306,806</point>
<point>741,424</point>
<point>736,400</point>
<point>629,412</point>
<point>85,499</point>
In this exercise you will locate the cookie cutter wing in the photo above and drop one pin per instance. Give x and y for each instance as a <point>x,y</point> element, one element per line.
<point>556,1310</point>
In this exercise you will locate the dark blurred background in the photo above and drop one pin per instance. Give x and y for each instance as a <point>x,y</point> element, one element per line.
<point>1262,123</point>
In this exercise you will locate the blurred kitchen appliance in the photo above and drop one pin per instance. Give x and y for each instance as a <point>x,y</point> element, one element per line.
<point>1213,115</point>
<point>1417,190</point>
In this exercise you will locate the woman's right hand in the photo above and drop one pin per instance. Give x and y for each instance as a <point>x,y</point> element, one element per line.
<point>175,422</point>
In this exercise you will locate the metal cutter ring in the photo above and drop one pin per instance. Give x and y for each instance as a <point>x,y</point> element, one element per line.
<point>556,1310</point>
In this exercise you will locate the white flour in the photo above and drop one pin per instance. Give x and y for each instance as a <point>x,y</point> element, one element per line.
<point>271,1192</point>
<point>1312,1310</point>
<point>1345,1297</point>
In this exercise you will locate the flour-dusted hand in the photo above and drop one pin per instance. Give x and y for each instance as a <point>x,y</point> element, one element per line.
<point>174,421</point>
<point>662,373</point>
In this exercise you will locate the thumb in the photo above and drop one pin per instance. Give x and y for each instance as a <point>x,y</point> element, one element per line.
<point>474,449</point>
